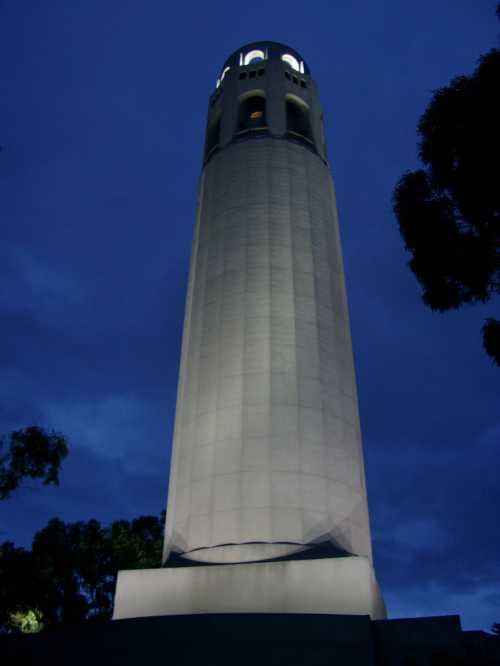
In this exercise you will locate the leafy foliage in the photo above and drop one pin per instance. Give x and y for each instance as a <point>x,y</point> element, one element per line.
<point>28,622</point>
<point>449,212</point>
<point>70,573</point>
<point>32,453</point>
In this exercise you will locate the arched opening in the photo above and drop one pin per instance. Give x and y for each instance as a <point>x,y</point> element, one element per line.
<point>254,56</point>
<point>297,118</point>
<point>213,134</point>
<point>291,60</point>
<point>252,113</point>
<point>221,79</point>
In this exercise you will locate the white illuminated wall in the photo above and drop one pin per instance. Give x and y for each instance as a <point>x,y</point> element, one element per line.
<point>267,453</point>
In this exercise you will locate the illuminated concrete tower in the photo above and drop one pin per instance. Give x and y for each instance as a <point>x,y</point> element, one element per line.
<point>267,507</point>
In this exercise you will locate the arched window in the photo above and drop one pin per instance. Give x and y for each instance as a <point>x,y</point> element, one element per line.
<point>213,135</point>
<point>252,112</point>
<point>291,60</point>
<point>297,118</point>
<point>219,81</point>
<point>254,56</point>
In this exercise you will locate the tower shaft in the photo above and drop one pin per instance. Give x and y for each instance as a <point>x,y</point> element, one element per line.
<point>267,456</point>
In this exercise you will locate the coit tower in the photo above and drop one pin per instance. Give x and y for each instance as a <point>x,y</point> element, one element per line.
<point>267,488</point>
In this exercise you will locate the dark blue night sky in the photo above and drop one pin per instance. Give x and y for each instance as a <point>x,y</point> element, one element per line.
<point>102,119</point>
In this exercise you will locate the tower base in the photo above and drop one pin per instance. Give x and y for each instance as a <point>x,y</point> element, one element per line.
<point>337,586</point>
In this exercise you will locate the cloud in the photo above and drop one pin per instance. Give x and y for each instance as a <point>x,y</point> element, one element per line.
<point>478,608</point>
<point>106,382</point>
<point>91,486</point>
<point>434,521</point>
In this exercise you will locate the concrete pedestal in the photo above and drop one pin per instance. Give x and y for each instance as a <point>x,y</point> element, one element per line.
<point>342,585</point>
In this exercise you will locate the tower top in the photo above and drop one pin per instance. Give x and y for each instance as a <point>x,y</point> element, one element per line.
<point>261,51</point>
<point>264,89</point>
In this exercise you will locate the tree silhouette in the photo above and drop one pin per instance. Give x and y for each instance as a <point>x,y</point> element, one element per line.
<point>69,575</point>
<point>449,212</point>
<point>31,453</point>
